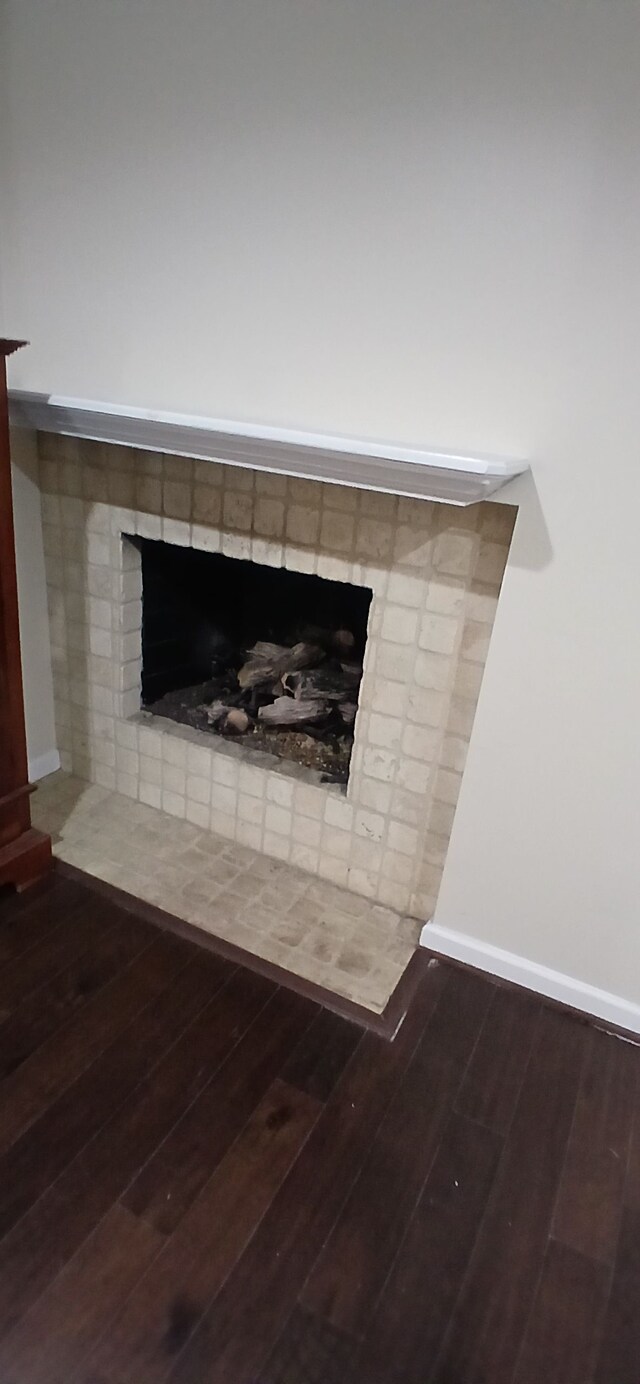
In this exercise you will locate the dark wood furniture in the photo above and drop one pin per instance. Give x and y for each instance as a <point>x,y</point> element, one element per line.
<point>25,853</point>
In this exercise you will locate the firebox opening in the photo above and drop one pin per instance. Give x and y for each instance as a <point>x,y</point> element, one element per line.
<point>270,657</point>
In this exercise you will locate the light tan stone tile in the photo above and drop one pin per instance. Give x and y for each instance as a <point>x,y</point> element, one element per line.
<point>337,531</point>
<point>340,497</point>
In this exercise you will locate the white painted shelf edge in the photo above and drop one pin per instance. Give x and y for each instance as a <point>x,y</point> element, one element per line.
<point>414,472</point>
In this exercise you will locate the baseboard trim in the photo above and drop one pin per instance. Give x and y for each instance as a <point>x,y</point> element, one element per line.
<point>43,764</point>
<point>554,985</point>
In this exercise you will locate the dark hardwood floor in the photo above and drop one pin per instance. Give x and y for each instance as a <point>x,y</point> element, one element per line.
<point>207,1177</point>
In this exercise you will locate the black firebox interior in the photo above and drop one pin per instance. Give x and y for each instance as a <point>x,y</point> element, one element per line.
<point>199,609</point>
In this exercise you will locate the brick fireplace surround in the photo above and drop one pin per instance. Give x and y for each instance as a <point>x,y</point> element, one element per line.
<point>435,572</point>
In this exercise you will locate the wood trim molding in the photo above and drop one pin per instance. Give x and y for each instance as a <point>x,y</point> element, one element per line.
<point>24,853</point>
<point>415,472</point>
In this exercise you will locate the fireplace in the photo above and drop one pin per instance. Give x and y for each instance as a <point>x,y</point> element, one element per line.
<point>414,584</point>
<point>268,657</point>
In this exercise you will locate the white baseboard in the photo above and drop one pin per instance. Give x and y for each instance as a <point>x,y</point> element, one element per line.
<point>554,985</point>
<point>43,764</point>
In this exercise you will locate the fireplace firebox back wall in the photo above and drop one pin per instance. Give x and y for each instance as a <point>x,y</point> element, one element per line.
<point>262,655</point>
<point>419,583</point>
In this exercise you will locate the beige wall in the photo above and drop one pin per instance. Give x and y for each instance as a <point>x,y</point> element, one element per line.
<point>416,221</point>
<point>34,620</point>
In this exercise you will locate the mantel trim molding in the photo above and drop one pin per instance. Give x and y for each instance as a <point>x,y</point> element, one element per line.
<point>417,473</point>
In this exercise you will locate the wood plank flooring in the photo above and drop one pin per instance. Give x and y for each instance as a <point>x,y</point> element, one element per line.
<point>208,1177</point>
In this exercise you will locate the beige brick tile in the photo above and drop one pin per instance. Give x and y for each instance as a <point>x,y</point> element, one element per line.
<point>480,603</point>
<point>148,494</point>
<point>223,822</point>
<point>305,857</point>
<point>198,760</point>
<point>455,553</point>
<point>302,524</point>
<point>375,795</point>
<point>398,867</point>
<point>376,505</point>
<point>173,778</point>
<point>127,784</point>
<point>177,468</point>
<point>403,839</point>
<point>149,525</point>
<point>269,517</point>
<point>426,706</point>
<point>438,633</point>
<point>277,819</point>
<point>174,751</point>
<point>250,809</point>
<point>475,641</point>
<point>396,895</point>
<point>280,790</point>
<point>369,825</point>
<point>98,550</point>
<point>441,818</point>
<point>225,770</point>
<point>388,697</point>
<point>147,463</point>
<point>340,497</point>
<point>453,754</point>
<point>414,547</point>
<point>399,625</point>
<point>432,671</point>
<point>150,741</point>
<point>491,562</point>
<point>306,831</point>
<point>251,780</point>
<point>413,775</point>
<point>407,590</point>
<point>127,761</point>
<point>395,662</point>
<point>336,843</point>
<point>208,473</point>
<point>249,834</point>
<point>176,531</point>
<point>333,568</point>
<point>224,799</point>
<point>150,770</point>
<point>197,813</point>
<point>447,786</point>
<point>468,680</point>
<point>238,478</point>
<point>176,499</point>
<point>267,552</point>
<point>337,532</point>
<point>276,844</point>
<point>100,643</point>
<point>421,742</point>
<point>385,731</point>
<point>333,868</point>
<point>236,545</point>
<point>206,539</point>
<point>497,522</point>
<point>198,788</point>
<point>150,793</point>
<point>267,483</point>
<point>237,511</point>
<point>374,539</point>
<point>338,813</point>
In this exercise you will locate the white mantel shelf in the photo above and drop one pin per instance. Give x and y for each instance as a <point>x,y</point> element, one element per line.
<point>421,474</point>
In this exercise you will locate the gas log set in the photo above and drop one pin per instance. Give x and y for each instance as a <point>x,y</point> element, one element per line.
<point>244,660</point>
